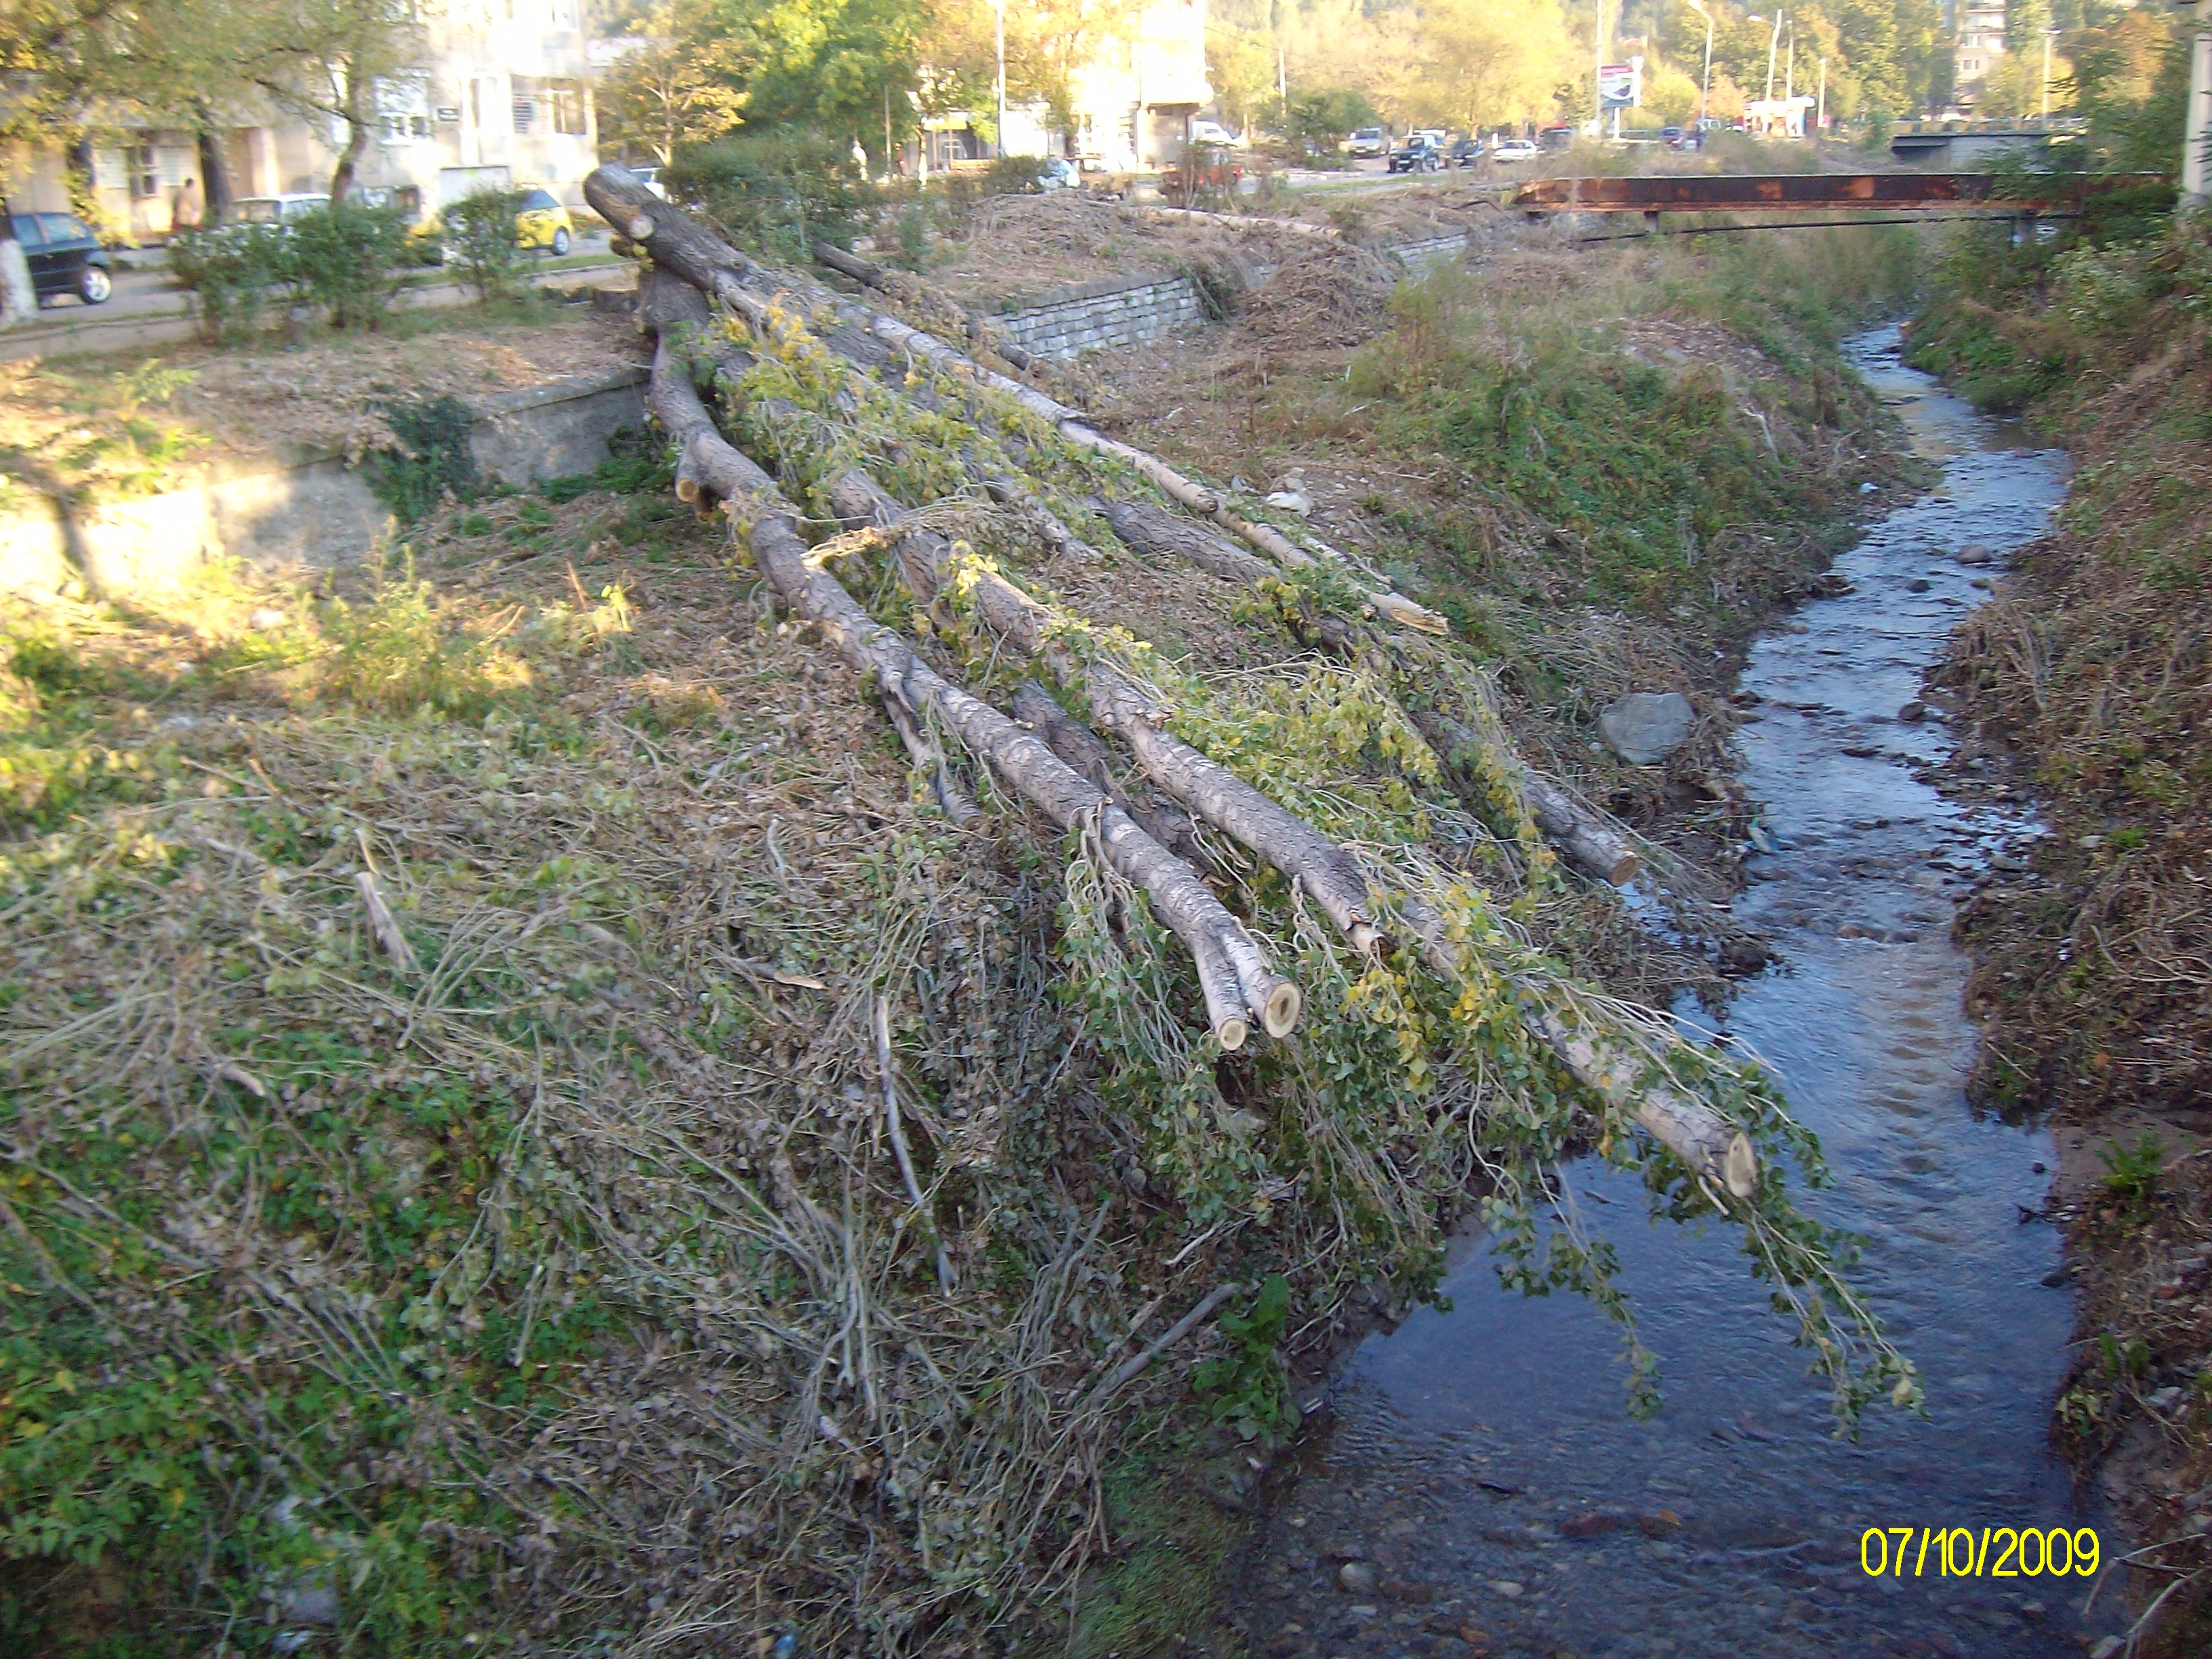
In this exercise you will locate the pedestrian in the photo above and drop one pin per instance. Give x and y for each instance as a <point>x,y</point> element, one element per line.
<point>859,159</point>
<point>185,212</point>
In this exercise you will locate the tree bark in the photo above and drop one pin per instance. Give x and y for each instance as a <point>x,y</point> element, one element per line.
<point>1150,529</point>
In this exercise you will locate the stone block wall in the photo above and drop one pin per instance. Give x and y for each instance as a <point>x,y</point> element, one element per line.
<point>1131,310</point>
<point>1104,316</point>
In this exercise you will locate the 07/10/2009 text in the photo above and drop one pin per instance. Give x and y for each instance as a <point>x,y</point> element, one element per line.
<point>1993,1553</point>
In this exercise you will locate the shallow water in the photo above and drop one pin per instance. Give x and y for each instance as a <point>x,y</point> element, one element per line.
<point>1466,1439</point>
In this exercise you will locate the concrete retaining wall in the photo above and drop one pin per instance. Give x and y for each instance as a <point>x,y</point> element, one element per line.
<point>315,510</point>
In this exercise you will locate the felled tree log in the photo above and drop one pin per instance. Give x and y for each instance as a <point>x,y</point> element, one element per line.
<point>1083,749</point>
<point>1239,984</point>
<point>1150,530</point>
<point>1212,792</point>
<point>1709,1146</point>
<point>711,265</point>
<point>870,275</point>
<point>1587,841</point>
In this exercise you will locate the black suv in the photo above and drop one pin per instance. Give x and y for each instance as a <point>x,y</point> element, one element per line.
<point>1416,154</point>
<point>64,257</point>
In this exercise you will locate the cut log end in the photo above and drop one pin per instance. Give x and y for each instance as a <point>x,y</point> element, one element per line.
<point>1230,1035</point>
<point>638,226</point>
<point>1740,1170</point>
<point>1279,1008</point>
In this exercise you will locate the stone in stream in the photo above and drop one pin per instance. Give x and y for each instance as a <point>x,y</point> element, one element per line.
<point>1645,727</point>
<point>1913,712</point>
<point>1596,1524</point>
<point>1356,1578</point>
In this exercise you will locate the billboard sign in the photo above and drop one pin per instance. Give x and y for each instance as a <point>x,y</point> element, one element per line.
<point>1620,86</point>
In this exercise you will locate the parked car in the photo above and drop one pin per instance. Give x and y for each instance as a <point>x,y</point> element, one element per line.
<point>1559,135</point>
<point>543,222</point>
<point>1212,132</point>
<point>1671,136</point>
<point>1515,149</point>
<point>1465,152</point>
<point>650,178</point>
<point>1368,141</point>
<point>1418,154</point>
<point>277,209</point>
<point>64,257</point>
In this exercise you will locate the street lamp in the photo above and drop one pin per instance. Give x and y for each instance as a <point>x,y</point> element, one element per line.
<point>1773,47</point>
<point>1706,94</point>
<point>998,20</point>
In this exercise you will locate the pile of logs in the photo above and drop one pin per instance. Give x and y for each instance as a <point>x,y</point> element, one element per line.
<point>1050,760</point>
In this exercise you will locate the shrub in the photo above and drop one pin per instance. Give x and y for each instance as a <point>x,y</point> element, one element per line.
<point>776,192</point>
<point>433,457</point>
<point>395,653</point>
<point>481,236</point>
<point>230,271</point>
<point>346,258</point>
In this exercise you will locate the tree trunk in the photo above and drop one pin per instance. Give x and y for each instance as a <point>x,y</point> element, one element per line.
<point>214,172</point>
<point>19,300</point>
<point>356,117</point>
<point>1238,983</point>
<point>1150,529</point>
<point>1587,841</point>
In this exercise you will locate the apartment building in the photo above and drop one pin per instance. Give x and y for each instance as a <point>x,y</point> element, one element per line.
<point>1979,42</point>
<point>500,95</point>
<point>1130,100</point>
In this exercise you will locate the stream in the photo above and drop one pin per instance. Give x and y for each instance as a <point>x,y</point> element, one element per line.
<point>1482,1477</point>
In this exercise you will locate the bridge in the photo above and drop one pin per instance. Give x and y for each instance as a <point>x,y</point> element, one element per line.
<point>1860,197</point>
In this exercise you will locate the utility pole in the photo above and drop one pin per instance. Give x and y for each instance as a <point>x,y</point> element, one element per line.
<point>2047,33</point>
<point>998,21</point>
<point>1705,92</point>
<point>1790,77</point>
<point>1773,47</point>
<point>1820,120</point>
<point>1597,78</point>
<point>2196,125</point>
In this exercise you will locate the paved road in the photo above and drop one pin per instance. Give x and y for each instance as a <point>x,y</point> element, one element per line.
<point>149,309</point>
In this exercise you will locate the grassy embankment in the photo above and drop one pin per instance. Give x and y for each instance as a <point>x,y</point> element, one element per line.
<point>2092,673</point>
<point>446,1200</point>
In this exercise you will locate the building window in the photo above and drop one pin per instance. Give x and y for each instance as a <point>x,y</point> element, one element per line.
<point>145,178</point>
<point>565,103</point>
<point>111,170</point>
<point>402,109</point>
<point>543,106</point>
